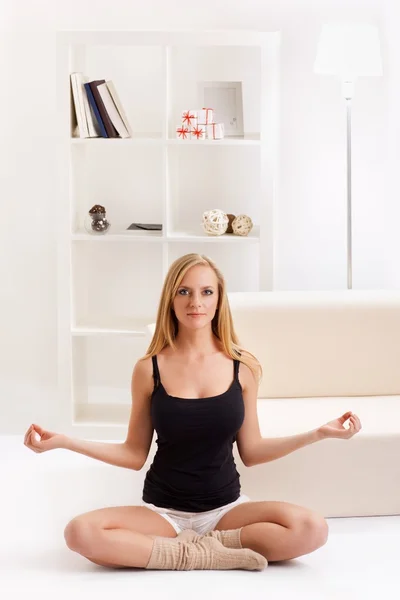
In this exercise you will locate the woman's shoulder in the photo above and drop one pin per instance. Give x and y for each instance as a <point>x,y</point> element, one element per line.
<point>246,375</point>
<point>142,377</point>
<point>143,366</point>
<point>249,366</point>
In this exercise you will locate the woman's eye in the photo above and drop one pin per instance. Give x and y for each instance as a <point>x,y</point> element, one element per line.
<point>207,292</point>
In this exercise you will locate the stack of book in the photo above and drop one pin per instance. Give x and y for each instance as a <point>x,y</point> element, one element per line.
<point>98,109</point>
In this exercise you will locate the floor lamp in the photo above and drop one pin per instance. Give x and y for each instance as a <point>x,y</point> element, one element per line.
<point>348,51</point>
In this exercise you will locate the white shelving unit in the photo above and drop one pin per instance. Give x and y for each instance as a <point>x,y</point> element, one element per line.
<point>109,285</point>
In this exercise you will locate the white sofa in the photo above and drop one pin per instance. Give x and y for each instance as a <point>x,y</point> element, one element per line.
<point>324,353</point>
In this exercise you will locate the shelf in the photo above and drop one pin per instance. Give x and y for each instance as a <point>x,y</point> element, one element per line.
<point>157,140</point>
<point>87,331</point>
<point>123,236</point>
<point>138,139</point>
<point>178,236</point>
<point>227,238</point>
<point>97,327</point>
<point>247,140</point>
<point>109,290</point>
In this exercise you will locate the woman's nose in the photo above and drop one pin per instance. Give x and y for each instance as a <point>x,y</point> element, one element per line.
<point>195,301</point>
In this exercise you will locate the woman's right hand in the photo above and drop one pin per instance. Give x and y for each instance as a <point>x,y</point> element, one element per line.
<point>39,440</point>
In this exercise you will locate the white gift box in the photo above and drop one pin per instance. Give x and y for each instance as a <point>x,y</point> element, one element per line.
<point>183,132</point>
<point>199,132</point>
<point>189,118</point>
<point>205,116</point>
<point>215,131</point>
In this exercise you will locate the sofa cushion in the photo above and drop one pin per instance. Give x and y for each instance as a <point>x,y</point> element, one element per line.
<point>379,415</point>
<point>311,344</point>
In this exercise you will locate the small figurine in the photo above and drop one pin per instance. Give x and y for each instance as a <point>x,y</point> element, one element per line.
<point>96,221</point>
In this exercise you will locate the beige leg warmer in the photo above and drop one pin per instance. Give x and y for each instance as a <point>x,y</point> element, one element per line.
<point>229,538</point>
<point>206,553</point>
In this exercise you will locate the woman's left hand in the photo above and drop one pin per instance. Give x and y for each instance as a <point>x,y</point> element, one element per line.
<point>336,429</point>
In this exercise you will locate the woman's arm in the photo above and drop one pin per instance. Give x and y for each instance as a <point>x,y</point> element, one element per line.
<point>268,449</point>
<point>131,454</point>
<point>120,455</point>
<point>255,450</point>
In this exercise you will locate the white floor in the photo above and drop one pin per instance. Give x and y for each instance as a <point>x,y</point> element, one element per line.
<point>360,561</point>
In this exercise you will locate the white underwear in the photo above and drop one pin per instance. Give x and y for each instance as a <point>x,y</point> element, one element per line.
<point>202,522</point>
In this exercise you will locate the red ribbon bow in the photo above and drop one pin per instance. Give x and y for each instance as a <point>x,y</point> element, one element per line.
<point>183,132</point>
<point>198,132</point>
<point>187,117</point>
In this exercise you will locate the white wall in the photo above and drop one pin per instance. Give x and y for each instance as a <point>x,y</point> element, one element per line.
<point>311,237</point>
<point>391,142</point>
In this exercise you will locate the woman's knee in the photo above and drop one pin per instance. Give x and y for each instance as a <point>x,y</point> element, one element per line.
<point>314,529</point>
<point>80,535</point>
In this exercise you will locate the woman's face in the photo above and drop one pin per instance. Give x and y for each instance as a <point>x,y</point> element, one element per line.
<point>196,299</point>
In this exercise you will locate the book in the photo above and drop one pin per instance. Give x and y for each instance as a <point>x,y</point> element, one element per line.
<point>109,127</point>
<point>74,129</point>
<point>118,104</point>
<point>79,107</point>
<point>93,126</point>
<point>100,124</point>
<point>112,111</point>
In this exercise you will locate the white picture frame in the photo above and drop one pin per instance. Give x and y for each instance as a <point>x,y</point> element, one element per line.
<point>226,98</point>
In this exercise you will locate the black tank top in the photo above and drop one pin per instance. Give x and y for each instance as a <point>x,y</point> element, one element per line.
<point>194,469</point>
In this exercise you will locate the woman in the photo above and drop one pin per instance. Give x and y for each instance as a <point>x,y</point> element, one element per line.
<point>198,389</point>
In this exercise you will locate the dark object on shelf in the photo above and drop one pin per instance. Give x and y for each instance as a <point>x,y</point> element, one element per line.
<point>231,218</point>
<point>96,222</point>
<point>109,127</point>
<point>97,209</point>
<point>92,102</point>
<point>145,226</point>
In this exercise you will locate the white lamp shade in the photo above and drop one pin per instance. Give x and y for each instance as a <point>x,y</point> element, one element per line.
<point>348,50</point>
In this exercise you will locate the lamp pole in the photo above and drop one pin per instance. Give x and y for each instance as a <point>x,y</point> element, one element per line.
<point>348,50</point>
<point>348,91</point>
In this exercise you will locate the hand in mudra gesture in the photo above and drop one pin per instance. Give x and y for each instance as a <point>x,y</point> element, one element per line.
<point>39,440</point>
<point>336,429</point>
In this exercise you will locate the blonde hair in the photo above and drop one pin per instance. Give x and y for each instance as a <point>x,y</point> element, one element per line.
<point>166,328</point>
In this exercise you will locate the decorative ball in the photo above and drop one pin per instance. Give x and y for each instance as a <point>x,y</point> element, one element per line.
<point>242,225</point>
<point>231,219</point>
<point>215,222</point>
